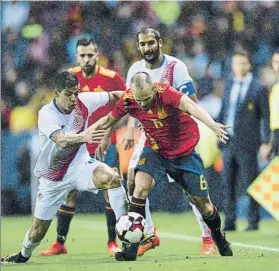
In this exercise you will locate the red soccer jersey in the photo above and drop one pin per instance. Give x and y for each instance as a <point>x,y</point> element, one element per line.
<point>169,130</point>
<point>103,80</point>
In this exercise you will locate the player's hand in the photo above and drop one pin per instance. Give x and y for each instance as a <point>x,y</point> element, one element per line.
<point>101,150</point>
<point>114,96</point>
<point>93,136</point>
<point>129,138</point>
<point>220,131</point>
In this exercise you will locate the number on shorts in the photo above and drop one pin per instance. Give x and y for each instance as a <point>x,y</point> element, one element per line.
<point>203,185</point>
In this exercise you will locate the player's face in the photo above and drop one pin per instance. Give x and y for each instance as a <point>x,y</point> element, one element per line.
<point>275,63</point>
<point>240,65</point>
<point>149,47</point>
<point>144,98</point>
<point>87,57</point>
<point>67,99</point>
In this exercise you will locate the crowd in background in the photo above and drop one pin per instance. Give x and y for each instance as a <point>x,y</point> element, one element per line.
<point>39,39</point>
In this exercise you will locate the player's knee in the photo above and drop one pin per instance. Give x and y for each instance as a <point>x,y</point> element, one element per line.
<point>204,205</point>
<point>131,176</point>
<point>111,180</point>
<point>72,199</point>
<point>143,189</point>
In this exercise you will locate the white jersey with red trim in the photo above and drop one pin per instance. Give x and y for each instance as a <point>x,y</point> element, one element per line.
<point>54,162</point>
<point>172,71</point>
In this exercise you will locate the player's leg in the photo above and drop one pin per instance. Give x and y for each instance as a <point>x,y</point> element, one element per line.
<point>152,239</point>
<point>131,181</point>
<point>112,160</point>
<point>111,222</point>
<point>196,187</point>
<point>149,167</point>
<point>64,217</point>
<point>207,246</point>
<point>45,210</point>
<point>31,240</point>
<point>94,176</point>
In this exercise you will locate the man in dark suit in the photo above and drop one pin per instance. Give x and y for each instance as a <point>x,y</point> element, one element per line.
<point>244,105</point>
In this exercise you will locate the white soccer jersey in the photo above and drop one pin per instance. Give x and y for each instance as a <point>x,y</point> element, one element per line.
<point>54,162</point>
<point>172,71</point>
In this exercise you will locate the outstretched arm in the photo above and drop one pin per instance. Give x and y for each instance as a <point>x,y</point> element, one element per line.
<point>68,140</point>
<point>114,96</point>
<point>188,106</point>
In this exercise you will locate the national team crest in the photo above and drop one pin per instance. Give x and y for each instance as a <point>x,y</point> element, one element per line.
<point>79,120</point>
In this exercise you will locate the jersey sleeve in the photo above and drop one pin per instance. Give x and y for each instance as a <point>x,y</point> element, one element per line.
<point>182,80</point>
<point>130,74</point>
<point>119,110</point>
<point>171,97</point>
<point>119,83</point>
<point>94,100</point>
<point>48,123</point>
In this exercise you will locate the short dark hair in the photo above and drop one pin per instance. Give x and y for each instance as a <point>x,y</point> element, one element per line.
<point>243,53</point>
<point>276,52</point>
<point>147,30</point>
<point>86,42</point>
<point>137,79</point>
<point>64,80</point>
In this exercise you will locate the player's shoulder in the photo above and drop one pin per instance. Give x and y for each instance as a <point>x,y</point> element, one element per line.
<point>160,87</point>
<point>106,72</point>
<point>48,109</point>
<point>172,59</point>
<point>137,66</point>
<point>75,70</point>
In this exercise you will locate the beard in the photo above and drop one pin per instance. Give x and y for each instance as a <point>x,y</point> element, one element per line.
<point>151,56</point>
<point>88,70</point>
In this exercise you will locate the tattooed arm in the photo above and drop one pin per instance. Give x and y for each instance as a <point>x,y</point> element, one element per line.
<point>68,140</point>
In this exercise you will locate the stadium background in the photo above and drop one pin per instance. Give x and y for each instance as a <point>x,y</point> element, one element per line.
<point>39,38</point>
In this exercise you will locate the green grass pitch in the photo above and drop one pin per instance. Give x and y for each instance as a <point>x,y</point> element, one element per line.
<point>179,249</point>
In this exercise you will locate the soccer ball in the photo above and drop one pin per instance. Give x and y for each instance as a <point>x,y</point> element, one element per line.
<point>131,227</point>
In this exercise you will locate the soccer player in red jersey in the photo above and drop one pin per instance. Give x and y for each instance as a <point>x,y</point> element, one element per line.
<point>172,135</point>
<point>91,78</point>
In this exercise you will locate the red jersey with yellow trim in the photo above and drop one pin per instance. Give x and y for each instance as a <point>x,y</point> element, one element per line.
<point>168,130</point>
<point>103,80</point>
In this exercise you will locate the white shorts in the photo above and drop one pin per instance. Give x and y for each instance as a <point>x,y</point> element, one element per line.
<point>137,152</point>
<point>52,194</point>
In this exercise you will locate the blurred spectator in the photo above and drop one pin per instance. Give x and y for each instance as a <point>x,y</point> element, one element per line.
<point>40,37</point>
<point>14,14</point>
<point>244,105</point>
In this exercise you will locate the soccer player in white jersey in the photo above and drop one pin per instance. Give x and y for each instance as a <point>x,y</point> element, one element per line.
<point>64,163</point>
<point>165,69</point>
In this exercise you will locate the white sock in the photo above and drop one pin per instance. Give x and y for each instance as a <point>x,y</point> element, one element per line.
<point>118,201</point>
<point>150,227</point>
<point>204,228</point>
<point>28,246</point>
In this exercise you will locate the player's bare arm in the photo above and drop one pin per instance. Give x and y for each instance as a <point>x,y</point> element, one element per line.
<point>188,106</point>
<point>129,137</point>
<point>193,97</point>
<point>114,96</point>
<point>68,140</point>
<point>105,142</point>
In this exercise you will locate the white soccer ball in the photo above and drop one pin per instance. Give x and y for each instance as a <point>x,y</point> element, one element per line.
<point>131,227</point>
